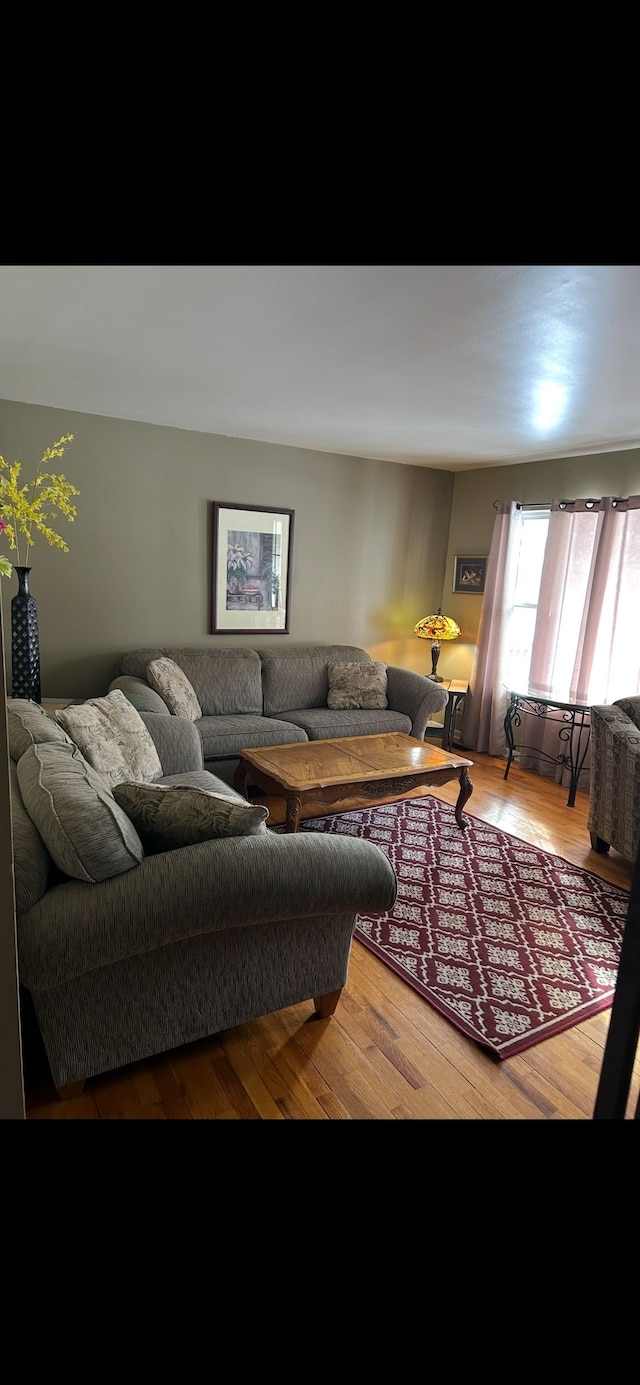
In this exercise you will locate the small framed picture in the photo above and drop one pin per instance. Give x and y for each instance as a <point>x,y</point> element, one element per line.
<point>469,575</point>
<point>251,578</point>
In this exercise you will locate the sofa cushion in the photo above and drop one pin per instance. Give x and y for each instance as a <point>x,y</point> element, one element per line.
<point>297,678</point>
<point>28,724</point>
<point>354,686</point>
<point>87,834</point>
<point>113,738</point>
<point>225,681</point>
<point>171,682</point>
<point>227,736</point>
<point>175,815</point>
<point>321,724</point>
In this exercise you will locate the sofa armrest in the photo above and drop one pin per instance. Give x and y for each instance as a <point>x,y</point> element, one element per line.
<point>177,741</point>
<point>228,883</point>
<point>416,696</point>
<point>614,795</point>
<point>144,698</point>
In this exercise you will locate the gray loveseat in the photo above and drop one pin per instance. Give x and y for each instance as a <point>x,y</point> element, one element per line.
<point>277,695</point>
<point>179,944</point>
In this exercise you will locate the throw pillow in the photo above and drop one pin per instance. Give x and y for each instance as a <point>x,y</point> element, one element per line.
<point>85,831</point>
<point>171,682</point>
<point>357,686</point>
<point>112,737</point>
<point>172,815</point>
<point>28,724</point>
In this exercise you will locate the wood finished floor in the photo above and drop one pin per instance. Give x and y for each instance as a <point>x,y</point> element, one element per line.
<point>385,1054</point>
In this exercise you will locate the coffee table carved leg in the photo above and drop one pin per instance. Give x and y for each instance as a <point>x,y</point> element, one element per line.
<point>294,805</point>
<point>466,790</point>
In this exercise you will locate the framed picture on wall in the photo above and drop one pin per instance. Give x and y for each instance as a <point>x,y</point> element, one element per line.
<point>251,577</point>
<point>469,575</point>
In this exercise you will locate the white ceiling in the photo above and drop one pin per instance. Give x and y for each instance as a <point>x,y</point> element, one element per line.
<point>449,366</point>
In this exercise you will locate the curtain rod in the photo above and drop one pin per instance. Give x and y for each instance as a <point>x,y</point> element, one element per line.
<point>562,504</point>
<point>538,505</point>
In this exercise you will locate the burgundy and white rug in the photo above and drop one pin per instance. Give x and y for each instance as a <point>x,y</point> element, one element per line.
<point>508,942</point>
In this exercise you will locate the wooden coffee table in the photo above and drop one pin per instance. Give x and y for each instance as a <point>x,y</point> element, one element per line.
<point>350,766</point>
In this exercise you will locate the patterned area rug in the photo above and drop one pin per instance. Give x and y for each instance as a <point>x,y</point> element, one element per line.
<point>508,942</point>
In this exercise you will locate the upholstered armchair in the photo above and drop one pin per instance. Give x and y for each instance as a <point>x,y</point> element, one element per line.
<point>614,804</point>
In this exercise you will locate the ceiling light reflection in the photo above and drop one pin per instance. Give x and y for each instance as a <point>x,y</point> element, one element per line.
<point>550,405</point>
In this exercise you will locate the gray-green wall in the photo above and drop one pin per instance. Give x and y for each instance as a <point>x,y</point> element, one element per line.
<point>373,551</point>
<point>369,548</point>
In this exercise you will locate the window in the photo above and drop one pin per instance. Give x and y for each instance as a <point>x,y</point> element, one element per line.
<point>527,574</point>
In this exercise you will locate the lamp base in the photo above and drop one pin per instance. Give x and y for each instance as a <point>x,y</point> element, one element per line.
<point>435,655</point>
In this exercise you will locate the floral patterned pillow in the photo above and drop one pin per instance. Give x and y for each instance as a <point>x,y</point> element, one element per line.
<point>172,815</point>
<point>112,736</point>
<point>171,682</point>
<point>357,685</point>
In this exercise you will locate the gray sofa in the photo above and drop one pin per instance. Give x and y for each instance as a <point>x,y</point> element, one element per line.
<point>275,696</point>
<point>179,944</point>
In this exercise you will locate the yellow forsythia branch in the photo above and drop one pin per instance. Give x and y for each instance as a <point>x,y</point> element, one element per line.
<point>36,505</point>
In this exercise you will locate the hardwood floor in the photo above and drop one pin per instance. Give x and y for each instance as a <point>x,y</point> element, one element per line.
<point>385,1054</point>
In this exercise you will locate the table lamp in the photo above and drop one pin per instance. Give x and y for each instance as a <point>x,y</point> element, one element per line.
<point>437,628</point>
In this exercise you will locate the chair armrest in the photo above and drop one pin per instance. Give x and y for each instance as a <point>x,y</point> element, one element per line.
<point>228,883</point>
<point>614,796</point>
<point>611,726</point>
<point>631,706</point>
<point>416,696</point>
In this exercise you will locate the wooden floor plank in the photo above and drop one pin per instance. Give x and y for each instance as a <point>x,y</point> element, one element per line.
<point>386,1054</point>
<point>203,1092</point>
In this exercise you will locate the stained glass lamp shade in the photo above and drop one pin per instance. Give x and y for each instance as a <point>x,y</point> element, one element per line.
<point>437,628</point>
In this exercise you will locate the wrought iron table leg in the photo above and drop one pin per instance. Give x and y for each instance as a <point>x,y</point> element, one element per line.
<point>577,752</point>
<point>512,712</point>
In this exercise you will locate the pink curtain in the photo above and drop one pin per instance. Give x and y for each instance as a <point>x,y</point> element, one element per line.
<point>585,645</point>
<point>486,702</point>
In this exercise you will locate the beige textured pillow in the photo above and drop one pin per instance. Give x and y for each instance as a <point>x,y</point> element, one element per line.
<point>171,815</point>
<point>87,835</point>
<point>171,682</point>
<point>357,686</point>
<point>113,738</point>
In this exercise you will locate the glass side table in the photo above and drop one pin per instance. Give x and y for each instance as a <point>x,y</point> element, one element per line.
<point>574,731</point>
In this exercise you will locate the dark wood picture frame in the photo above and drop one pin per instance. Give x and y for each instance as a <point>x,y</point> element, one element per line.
<point>251,569</point>
<point>469,575</point>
